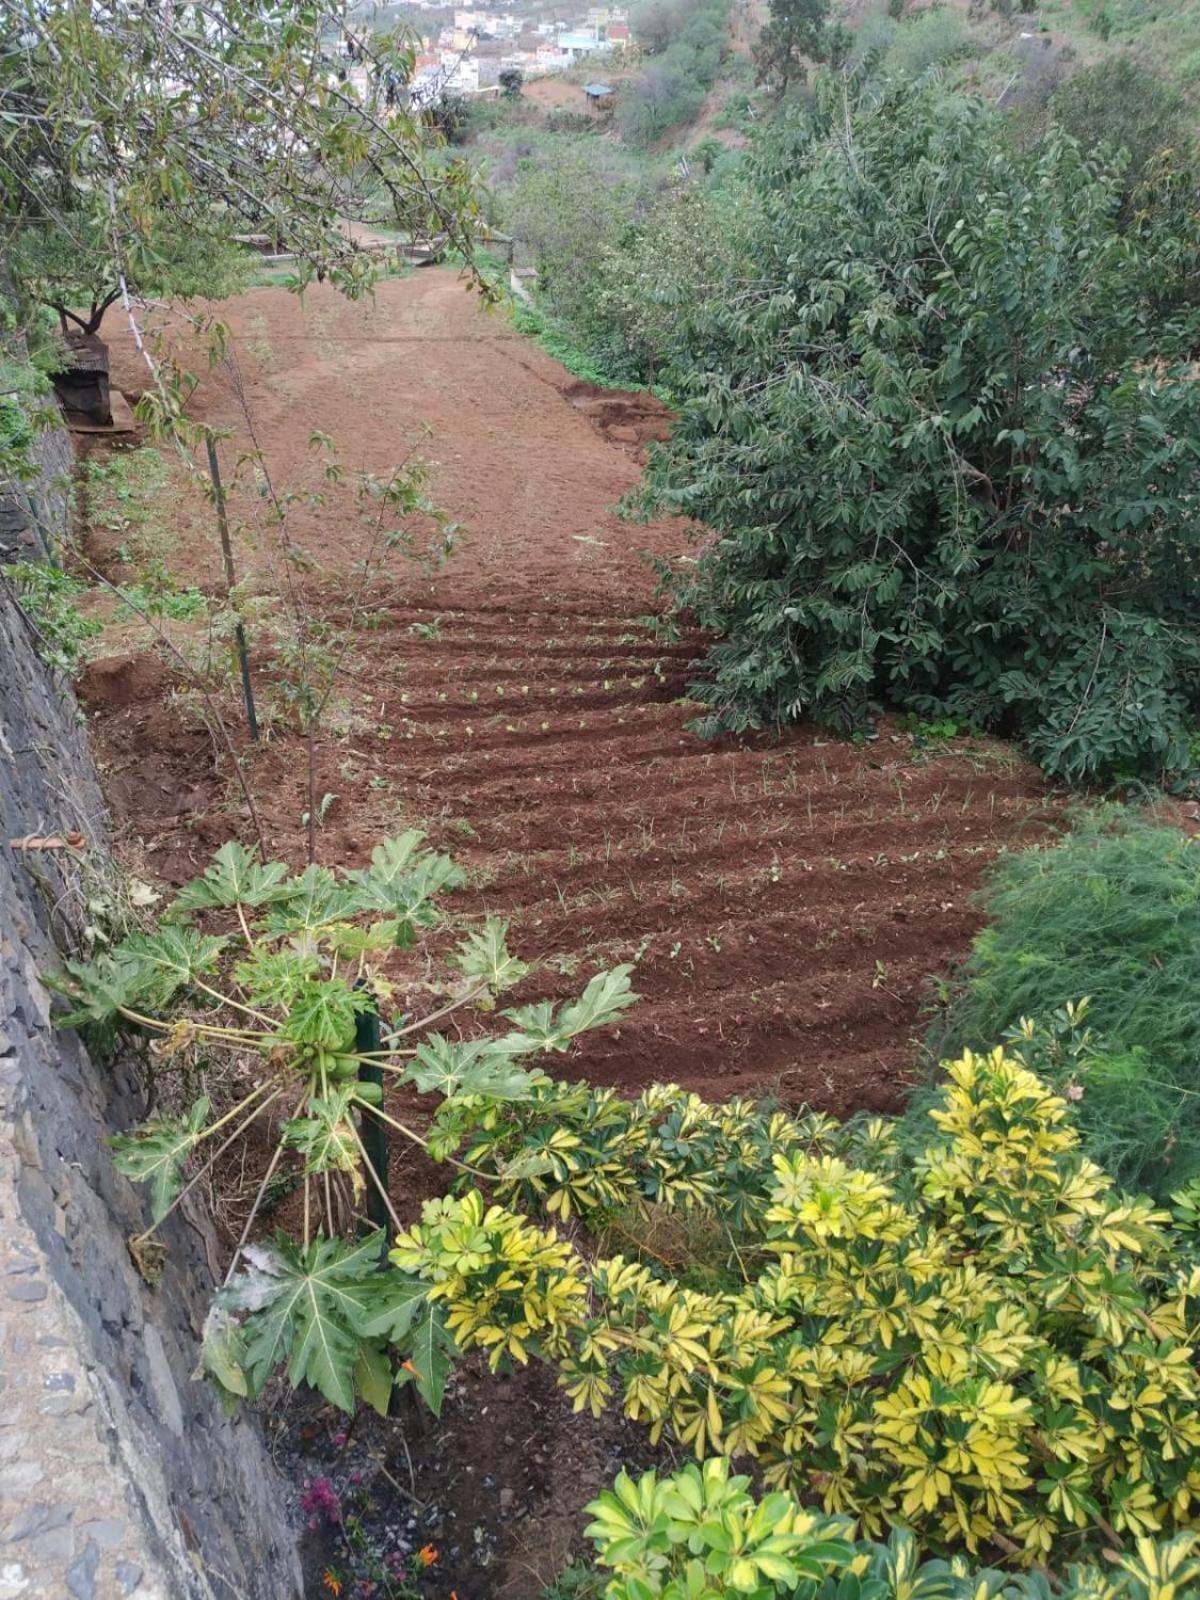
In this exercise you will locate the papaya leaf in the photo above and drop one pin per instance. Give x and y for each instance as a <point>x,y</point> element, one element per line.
<point>431,1357</point>
<point>313,900</point>
<point>157,1152</point>
<point>277,977</point>
<point>223,1356</point>
<point>163,962</point>
<point>304,1308</point>
<point>96,991</point>
<point>394,1307</point>
<point>325,1137</point>
<point>324,1014</point>
<point>474,1066</point>
<point>373,1378</point>
<point>607,996</point>
<point>605,1000</point>
<point>402,881</point>
<point>235,878</point>
<point>392,858</point>
<point>483,955</point>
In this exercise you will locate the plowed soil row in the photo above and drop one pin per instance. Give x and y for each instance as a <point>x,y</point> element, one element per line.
<point>785,903</point>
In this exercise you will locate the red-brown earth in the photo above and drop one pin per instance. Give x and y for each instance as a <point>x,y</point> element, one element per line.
<point>785,901</point>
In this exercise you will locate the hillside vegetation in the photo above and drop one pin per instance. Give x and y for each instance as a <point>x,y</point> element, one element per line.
<point>923,294</point>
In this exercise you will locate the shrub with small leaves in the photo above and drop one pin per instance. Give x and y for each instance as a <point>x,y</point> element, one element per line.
<point>988,1343</point>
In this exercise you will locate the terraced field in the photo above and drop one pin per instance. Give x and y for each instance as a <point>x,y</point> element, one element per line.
<point>786,903</point>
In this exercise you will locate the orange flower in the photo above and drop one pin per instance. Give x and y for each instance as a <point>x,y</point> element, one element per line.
<point>407,1366</point>
<point>332,1582</point>
<point>426,1555</point>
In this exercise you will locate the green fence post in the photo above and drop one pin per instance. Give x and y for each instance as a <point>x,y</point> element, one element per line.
<point>374,1132</point>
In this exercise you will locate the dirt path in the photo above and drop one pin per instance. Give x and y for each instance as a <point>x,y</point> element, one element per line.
<point>786,903</point>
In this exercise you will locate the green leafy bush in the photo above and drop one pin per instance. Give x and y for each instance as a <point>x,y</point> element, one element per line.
<point>1122,104</point>
<point>986,1343</point>
<point>1110,914</point>
<point>688,40</point>
<point>942,422</point>
<point>699,1533</point>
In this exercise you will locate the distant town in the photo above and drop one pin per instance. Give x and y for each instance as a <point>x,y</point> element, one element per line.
<point>468,55</point>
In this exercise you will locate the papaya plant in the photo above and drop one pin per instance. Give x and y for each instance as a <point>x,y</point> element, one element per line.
<point>259,981</point>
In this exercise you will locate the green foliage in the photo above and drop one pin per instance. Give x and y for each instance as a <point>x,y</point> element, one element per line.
<point>138,142</point>
<point>622,263</point>
<point>269,972</point>
<point>1110,914</point>
<point>511,1289</point>
<point>688,41</point>
<point>930,39</point>
<point>797,32</point>
<point>158,1152</point>
<point>47,597</point>
<point>943,425</point>
<point>65,260</point>
<point>987,1344</point>
<point>1120,104</point>
<point>699,1532</point>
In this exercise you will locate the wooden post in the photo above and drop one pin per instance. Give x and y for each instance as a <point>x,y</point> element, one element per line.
<point>239,632</point>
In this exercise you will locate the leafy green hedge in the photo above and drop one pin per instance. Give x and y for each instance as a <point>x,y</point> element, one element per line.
<point>1112,913</point>
<point>943,422</point>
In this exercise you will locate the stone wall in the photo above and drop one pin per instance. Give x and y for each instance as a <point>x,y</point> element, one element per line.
<point>35,516</point>
<point>118,1473</point>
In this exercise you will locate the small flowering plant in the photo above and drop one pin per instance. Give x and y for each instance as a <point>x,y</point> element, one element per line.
<point>358,1569</point>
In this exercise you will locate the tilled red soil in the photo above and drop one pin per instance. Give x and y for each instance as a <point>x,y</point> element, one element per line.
<point>785,902</point>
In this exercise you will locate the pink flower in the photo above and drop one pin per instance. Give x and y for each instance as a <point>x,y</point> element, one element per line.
<point>1074,1091</point>
<point>320,1500</point>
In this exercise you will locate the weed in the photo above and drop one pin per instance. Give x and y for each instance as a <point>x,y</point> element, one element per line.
<point>47,598</point>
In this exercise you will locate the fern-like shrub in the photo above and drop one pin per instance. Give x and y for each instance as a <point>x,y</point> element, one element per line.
<point>1110,914</point>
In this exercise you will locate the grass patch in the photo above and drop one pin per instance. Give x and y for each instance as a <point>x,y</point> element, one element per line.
<point>1111,913</point>
<point>557,342</point>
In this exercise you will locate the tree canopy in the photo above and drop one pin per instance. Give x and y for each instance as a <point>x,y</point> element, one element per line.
<point>943,421</point>
<point>136,137</point>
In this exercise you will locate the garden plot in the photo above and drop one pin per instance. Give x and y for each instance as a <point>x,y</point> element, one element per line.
<point>785,902</point>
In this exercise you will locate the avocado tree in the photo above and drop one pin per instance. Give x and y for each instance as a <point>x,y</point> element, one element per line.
<point>943,422</point>
<point>66,262</point>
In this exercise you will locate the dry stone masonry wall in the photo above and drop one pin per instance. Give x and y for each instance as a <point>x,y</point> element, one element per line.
<point>118,1473</point>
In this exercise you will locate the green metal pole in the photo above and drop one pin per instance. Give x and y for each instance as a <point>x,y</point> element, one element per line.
<point>374,1132</point>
